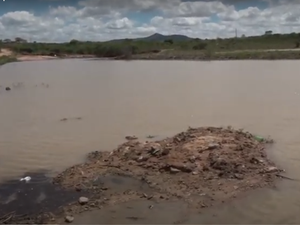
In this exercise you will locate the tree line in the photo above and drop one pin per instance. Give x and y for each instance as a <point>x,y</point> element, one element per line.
<point>128,47</point>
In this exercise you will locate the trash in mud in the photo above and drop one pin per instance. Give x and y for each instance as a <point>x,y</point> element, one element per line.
<point>27,179</point>
<point>30,201</point>
<point>72,118</point>
<point>7,88</point>
<point>258,138</point>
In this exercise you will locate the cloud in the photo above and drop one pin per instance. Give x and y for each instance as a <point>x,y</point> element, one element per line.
<point>98,20</point>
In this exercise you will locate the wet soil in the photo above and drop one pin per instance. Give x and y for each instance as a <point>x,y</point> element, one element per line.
<point>195,169</point>
<point>35,201</point>
<point>202,167</point>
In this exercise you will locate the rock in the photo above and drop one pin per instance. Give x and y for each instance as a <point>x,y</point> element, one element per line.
<point>218,163</point>
<point>153,148</point>
<point>131,137</point>
<point>187,168</point>
<point>150,136</point>
<point>256,161</point>
<point>7,88</point>
<point>272,169</point>
<point>238,176</point>
<point>78,188</point>
<point>174,170</point>
<point>142,158</point>
<point>192,159</point>
<point>213,146</point>
<point>83,200</point>
<point>69,219</point>
<point>165,151</point>
<point>195,173</point>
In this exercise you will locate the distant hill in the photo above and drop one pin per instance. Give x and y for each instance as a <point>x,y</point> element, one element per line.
<point>159,37</point>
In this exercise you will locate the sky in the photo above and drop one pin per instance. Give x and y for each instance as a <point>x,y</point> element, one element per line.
<point>101,20</point>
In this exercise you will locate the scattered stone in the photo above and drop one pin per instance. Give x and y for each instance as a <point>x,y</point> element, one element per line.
<point>153,148</point>
<point>192,159</point>
<point>145,195</point>
<point>272,169</point>
<point>165,151</point>
<point>131,137</point>
<point>150,136</point>
<point>83,200</point>
<point>174,170</point>
<point>69,219</point>
<point>213,146</point>
<point>238,176</point>
<point>77,188</point>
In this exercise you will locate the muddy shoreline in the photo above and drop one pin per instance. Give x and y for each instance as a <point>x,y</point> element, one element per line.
<point>201,168</point>
<point>252,55</point>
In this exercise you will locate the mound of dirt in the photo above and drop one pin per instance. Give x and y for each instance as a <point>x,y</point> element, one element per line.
<point>202,166</point>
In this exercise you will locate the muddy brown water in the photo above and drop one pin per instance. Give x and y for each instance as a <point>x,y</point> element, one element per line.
<point>115,99</point>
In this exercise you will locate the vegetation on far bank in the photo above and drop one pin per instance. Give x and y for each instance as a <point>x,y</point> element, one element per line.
<point>231,48</point>
<point>208,55</point>
<point>7,59</point>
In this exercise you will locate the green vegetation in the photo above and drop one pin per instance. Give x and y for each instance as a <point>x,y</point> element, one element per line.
<point>7,59</point>
<point>210,55</point>
<point>177,46</point>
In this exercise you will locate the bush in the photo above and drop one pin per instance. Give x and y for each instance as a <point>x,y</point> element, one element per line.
<point>169,41</point>
<point>200,46</point>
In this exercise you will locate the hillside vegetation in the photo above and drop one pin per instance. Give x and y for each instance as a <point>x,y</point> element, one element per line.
<point>157,43</point>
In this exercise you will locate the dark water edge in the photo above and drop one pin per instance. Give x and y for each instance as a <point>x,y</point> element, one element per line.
<point>29,199</point>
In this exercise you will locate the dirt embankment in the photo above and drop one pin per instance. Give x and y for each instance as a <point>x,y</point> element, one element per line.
<point>201,166</point>
<point>5,52</point>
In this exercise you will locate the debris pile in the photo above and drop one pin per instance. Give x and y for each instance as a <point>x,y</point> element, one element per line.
<point>201,166</point>
<point>210,161</point>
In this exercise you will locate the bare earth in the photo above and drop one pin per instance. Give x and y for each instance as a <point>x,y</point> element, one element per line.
<point>34,57</point>
<point>5,52</point>
<point>202,166</point>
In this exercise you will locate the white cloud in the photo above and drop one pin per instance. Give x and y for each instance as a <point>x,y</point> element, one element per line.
<point>103,20</point>
<point>123,23</point>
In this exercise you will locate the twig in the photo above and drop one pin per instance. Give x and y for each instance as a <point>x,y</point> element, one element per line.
<point>288,178</point>
<point>8,215</point>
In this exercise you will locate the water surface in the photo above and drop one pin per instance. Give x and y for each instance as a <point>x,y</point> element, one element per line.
<point>115,99</point>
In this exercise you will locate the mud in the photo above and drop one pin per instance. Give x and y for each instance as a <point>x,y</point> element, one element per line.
<point>195,169</point>
<point>137,212</point>
<point>35,201</point>
<point>202,167</point>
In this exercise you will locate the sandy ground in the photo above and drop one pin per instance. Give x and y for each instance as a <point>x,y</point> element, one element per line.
<point>5,52</point>
<point>35,57</point>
